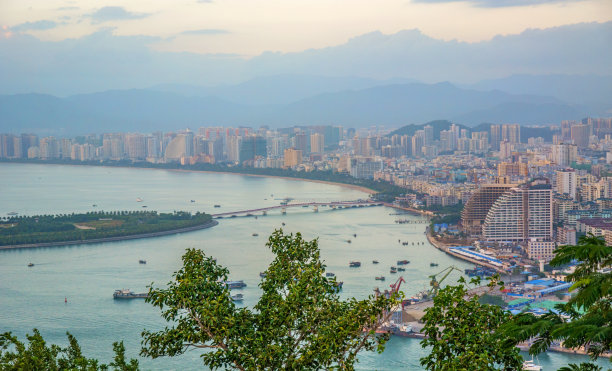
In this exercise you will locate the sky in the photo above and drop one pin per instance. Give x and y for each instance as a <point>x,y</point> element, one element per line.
<point>248,28</point>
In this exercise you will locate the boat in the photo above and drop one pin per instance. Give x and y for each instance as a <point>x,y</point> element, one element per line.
<point>262,274</point>
<point>192,200</point>
<point>402,330</point>
<point>141,261</point>
<point>255,234</point>
<point>380,278</point>
<point>393,270</point>
<point>433,264</point>
<point>374,261</point>
<point>349,241</point>
<point>529,365</point>
<point>12,213</point>
<point>127,294</point>
<point>94,205</point>
<point>400,269</point>
<point>139,199</point>
<point>355,235</point>
<point>339,285</point>
<point>354,264</point>
<point>235,284</point>
<point>217,205</point>
<point>403,262</point>
<point>237,297</point>
<point>144,205</point>
<point>30,264</point>
<point>330,274</point>
<point>283,224</point>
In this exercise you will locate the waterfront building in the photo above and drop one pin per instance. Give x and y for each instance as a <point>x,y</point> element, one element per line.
<point>292,157</point>
<point>476,208</point>
<point>252,146</point>
<point>49,148</point>
<point>542,251</point>
<point>521,213</point>
<point>317,143</point>
<point>364,168</point>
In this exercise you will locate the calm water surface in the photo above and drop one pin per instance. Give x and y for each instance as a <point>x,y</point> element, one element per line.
<point>88,274</point>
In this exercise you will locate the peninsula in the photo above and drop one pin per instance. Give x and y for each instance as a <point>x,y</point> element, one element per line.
<point>92,227</point>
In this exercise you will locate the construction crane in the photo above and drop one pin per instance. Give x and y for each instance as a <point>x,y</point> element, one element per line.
<point>435,283</point>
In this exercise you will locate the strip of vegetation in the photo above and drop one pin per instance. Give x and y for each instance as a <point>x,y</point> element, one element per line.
<point>385,191</point>
<point>21,230</point>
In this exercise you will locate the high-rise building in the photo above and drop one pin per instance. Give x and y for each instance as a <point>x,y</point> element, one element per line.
<point>292,157</point>
<point>522,213</point>
<point>512,169</point>
<point>495,137</point>
<point>417,143</point>
<point>302,142</point>
<point>317,143</point>
<point>566,182</point>
<point>476,208</point>
<point>252,146</point>
<point>136,146</point>
<point>511,133</point>
<point>564,154</point>
<point>580,135</point>
<point>49,148</point>
<point>428,137</point>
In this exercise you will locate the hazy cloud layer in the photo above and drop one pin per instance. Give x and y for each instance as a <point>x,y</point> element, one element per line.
<point>115,13</point>
<point>497,3</point>
<point>205,31</point>
<point>105,61</point>
<point>35,26</point>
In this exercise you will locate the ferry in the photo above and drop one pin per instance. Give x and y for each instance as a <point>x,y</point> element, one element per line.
<point>355,264</point>
<point>237,297</point>
<point>235,284</point>
<point>127,294</point>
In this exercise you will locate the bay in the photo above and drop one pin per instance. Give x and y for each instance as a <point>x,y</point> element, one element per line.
<point>87,275</point>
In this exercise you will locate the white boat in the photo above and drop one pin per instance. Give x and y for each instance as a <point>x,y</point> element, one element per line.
<point>139,199</point>
<point>530,366</point>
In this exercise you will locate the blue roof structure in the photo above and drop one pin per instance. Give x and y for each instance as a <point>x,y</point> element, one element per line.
<point>466,249</point>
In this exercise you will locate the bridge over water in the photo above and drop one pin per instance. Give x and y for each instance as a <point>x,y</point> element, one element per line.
<point>284,207</point>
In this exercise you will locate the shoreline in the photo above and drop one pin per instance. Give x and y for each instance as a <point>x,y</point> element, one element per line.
<point>207,225</point>
<point>345,185</point>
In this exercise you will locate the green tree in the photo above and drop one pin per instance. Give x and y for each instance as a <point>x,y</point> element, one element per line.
<point>461,333</point>
<point>298,323</point>
<point>37,355</point>
<point>585,320</point>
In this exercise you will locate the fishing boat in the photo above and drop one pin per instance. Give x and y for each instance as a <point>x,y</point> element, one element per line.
<point>355,264</point>
<point>355,235</point>
<point>141,261</point>
<point>330,274</point>
<point>255,234</point>
<point>401,269</point>
<point>433,264</point>
<point>339,285</point>
<point>237,297</point>
<point>262,274</point>
<point>144,205</point>
<point>30,264</point>
<point>192,200</point>
<point>349,241</point>
<point>12,213</point>
<point>139,199</point>
<point>217,205</point>
<point>127,294</point>
<point>403,262</point>
<point>374,261</point>
<point>235,284</point>
<point>380,278</point>
<point>393,270</point>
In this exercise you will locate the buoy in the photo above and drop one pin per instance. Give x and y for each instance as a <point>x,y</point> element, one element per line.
<point>65,299</point>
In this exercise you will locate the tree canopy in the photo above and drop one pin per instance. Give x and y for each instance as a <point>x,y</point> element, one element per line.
<point>584,321</point>
<point>299,321</point>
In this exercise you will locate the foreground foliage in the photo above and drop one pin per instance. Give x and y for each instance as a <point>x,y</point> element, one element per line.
<point>37,355</point>
<point>461,333</point>
<point>298,323</point>
<point>585,320</point>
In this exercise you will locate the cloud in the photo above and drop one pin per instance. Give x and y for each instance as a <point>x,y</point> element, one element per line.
<point>205,1</point>
<point>37,26</point>
<point>205,31</point>
<point>497,3</point>
<point>115,13</point>
<point>68,8</point>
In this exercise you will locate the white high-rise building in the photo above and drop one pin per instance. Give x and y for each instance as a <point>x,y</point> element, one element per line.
<point>522,213</point>
<point>564,154</point>
<point>565,182</point>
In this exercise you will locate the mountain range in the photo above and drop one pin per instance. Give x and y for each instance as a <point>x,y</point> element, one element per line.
<point>287,100</point>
